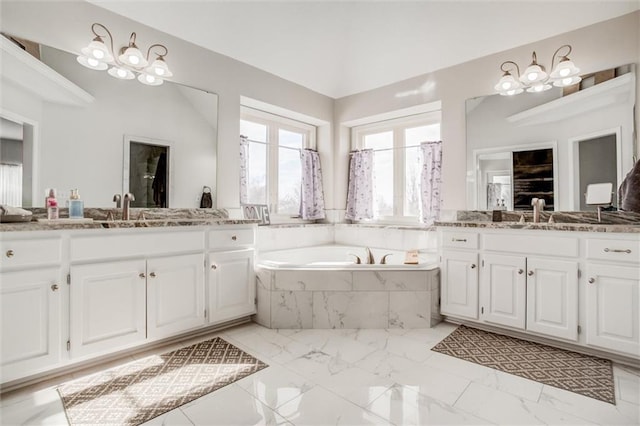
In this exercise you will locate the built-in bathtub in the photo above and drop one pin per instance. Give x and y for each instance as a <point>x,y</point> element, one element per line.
<point>323,287</point>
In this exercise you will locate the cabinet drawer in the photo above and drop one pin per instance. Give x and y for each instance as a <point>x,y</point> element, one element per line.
<point>460,239</point>
<point>532,244</point>
<point>231,238</point>
<point>128,245</point>
<point>616,250</point>
<point>30,252</point>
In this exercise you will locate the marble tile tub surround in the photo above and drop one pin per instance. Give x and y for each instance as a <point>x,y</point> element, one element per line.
<point>323,299</point>
<point>391,237</point>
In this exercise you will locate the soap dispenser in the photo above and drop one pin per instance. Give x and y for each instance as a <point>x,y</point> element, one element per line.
<point>76,206</point>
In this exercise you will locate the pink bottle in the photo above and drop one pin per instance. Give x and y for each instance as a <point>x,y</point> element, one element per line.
<point>52,205</point>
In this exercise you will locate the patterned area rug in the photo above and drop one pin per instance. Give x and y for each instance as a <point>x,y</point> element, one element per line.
<point>582,374</point>
<point>136,392</point>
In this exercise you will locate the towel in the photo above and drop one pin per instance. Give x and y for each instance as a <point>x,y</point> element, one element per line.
<point>629,191</point>
<point>13,211</point>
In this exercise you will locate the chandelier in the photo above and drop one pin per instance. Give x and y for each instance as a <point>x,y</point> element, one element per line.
<point>535,78</point>
<point>128,62</point>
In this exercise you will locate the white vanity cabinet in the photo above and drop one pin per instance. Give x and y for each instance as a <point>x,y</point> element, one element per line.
<point>108,306</point>
<point>231,279</point>
<point>613,295</point>
<point>581,288</point>
<point>504,290</point>
<point>31,298</point>
<point>459,269</point>
<point>130,288</point>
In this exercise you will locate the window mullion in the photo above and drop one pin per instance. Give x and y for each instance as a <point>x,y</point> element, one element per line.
<point>273,169</point>
<point>398,173</point>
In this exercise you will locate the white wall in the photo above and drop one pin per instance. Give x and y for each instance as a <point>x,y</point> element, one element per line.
<point>66,25</point>
<point>601,46</point>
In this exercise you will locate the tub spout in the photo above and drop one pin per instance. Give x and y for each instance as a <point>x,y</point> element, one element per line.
<point>370,259</point>
<point>358,260</point>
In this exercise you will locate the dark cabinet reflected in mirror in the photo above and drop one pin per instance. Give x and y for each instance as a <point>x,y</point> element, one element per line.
<point>533,178</point>
<point>149,175</point>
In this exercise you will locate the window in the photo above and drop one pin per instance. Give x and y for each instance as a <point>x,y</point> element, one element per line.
<point>396,161</point>
<point>273,163</point>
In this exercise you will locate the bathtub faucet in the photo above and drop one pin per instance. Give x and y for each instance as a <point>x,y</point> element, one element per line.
<point>370,259</point>
<point>383,260</point>
<point>358,260</point>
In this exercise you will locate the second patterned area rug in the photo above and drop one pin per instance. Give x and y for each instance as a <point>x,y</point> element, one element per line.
<point>136,392</point>
<point>582,374</point>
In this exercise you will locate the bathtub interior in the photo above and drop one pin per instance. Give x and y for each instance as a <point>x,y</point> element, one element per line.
<point>340,256</point>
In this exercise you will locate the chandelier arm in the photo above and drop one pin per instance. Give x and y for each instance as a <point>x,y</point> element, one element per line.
<point>555,54</point>
<point>96,24</point>
<point>506,70</point>
<point>166,51</point>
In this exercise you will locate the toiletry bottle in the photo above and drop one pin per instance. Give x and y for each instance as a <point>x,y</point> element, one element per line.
<point>52,205</point>
<point>76,206</point>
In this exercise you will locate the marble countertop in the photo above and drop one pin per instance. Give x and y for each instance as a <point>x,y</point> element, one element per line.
<point>119,224</point>
<point>575,227</point>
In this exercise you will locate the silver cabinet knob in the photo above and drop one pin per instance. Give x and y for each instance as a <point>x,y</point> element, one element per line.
<point>520,271</point>
<point>592,280</point>
<point>530,273</point>
<point>54,287</point>
<point>214,266</point>
<point>234,237</point>
<point>9,253</point>
<point>142,275</point>
<point>473,266</point>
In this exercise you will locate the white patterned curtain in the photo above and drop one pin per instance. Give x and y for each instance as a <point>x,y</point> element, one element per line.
<point>11,184</point>
<point>311,194</point>
<point>430,181</point>
<point>244,160</point>
<point>360,192</point>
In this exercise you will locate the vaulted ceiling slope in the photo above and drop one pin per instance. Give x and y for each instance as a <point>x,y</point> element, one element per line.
<point>339,48</point>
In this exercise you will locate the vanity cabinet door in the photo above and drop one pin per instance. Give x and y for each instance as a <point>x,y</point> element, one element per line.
<point>613,308</point>
<point>232,285</point>
<point>459,293</point>
<point>31,325</point>
<point>503,290</point>
<point>108,306</point>
<point>552,297</point>
<point>175,294</point>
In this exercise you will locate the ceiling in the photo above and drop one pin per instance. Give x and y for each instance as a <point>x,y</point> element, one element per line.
<point>340,47</point>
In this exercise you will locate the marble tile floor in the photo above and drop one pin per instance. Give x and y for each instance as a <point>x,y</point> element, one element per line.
<point>357,377</point>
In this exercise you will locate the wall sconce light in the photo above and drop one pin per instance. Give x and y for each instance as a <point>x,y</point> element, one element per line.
<point>535,78</point>
<point>129,60</point>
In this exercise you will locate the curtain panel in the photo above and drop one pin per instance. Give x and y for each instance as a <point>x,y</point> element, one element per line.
<point>360,190</point>
<point>430,181</point>
<point>244,160</point>
<point>311,193</point>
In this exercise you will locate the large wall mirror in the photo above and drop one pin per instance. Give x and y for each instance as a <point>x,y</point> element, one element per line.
<point>80,140</point>
<point>571,141</point>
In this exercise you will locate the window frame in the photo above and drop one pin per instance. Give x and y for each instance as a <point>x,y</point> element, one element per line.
<point>274,124</point>
<point>398,127</point>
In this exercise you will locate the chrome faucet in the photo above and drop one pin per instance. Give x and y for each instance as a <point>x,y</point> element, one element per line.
<point>127,199</point>
<point>118,200</point>
<point>538,204</point>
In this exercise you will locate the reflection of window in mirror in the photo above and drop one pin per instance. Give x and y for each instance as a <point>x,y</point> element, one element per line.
<point>16,146</point>
<point>499,190</point>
